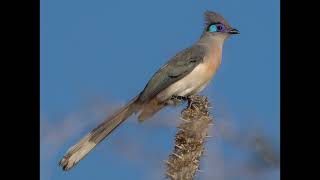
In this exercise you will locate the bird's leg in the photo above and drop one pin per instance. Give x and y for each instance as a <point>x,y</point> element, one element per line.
<point>189,98</point>
<point>178,99</point>
<point>181,98</point>
<point>190,101</point>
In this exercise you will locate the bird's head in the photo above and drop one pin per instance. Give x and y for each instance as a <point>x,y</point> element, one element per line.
<point>215,24</point>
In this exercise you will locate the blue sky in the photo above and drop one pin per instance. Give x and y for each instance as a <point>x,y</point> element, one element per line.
<point>96,55</point>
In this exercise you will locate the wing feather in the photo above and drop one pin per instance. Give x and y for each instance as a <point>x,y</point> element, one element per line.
<point>175,69</point>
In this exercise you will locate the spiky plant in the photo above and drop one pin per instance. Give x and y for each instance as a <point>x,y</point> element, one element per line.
<point>184,161</point>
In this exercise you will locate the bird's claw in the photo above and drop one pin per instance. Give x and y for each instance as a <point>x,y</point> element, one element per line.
<point>176,100</point>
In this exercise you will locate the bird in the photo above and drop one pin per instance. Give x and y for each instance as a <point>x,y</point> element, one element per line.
<point>187,73</point>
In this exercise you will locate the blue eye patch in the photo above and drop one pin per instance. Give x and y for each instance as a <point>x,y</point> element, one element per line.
<point>213,28</point>
<point>217,28</point>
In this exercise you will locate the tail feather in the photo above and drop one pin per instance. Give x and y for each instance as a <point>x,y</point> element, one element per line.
<point>86,144</point>
<point>149,109</point>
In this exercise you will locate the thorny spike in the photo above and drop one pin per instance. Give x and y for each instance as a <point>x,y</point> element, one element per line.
<point>170,175</point>
<point>179,147</point>
<point>168,163</point>
<point>177,155</point>
<point>184,120</point>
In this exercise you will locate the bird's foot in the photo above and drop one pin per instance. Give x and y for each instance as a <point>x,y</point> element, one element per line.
<point>196,101</point>
<point>181,98</point>
<point>176,100</point>
<point>189,99</point>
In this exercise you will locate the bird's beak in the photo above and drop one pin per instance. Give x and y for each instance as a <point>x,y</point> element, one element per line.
<point>234,31</point>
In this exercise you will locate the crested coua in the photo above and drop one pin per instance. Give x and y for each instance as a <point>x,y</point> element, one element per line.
<point>185,74</point>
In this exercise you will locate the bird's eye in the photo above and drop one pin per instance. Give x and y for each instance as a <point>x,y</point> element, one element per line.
<point>213,28</point>
<point>216,28</point>
<point>220,27</point>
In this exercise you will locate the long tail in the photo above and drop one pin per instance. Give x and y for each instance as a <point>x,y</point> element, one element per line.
<point>86,144</point>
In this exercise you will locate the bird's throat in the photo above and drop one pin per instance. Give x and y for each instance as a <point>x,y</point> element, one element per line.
<point>210,41</point>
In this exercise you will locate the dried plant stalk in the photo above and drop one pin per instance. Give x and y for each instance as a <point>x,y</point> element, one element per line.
<point>184,161</point>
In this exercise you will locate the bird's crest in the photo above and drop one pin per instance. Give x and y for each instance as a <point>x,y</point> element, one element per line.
<point>213,17</point>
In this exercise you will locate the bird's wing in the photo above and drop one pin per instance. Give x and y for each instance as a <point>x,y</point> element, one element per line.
<point>175,69</point>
